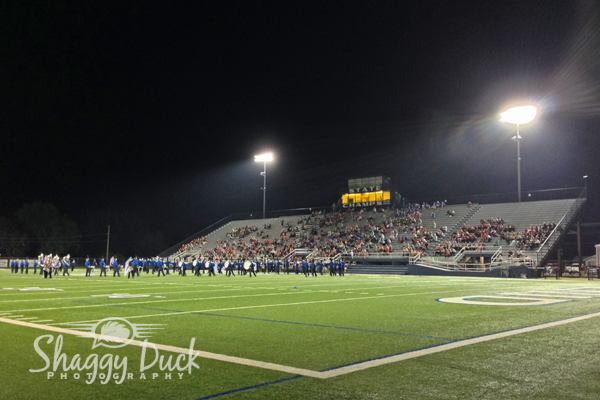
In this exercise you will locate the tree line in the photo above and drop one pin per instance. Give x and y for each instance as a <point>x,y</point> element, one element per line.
<point>39,227</point>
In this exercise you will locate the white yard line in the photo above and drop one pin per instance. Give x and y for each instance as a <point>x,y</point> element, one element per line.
<point>361,366</point>
<point>552,295</point>
<point>262,306</point>
<point>449,346</point>
<point>292,291</point>
<point>181,350</point>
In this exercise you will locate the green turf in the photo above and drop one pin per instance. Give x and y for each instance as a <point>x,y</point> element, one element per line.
<point>297,321</point>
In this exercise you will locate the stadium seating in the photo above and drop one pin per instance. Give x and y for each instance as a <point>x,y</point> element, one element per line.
<point>521,215</point>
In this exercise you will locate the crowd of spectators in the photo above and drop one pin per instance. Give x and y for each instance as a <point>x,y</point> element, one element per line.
<point>361,232</point>
<point>196,243</point>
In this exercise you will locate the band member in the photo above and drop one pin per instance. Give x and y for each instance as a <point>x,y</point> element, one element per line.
<point>331,268</point>
<point>55,265</point>
<point>297,267</point>
<point>130,269</point>
<point>342,268</point>
<point>313,267</point>
<point>94,265</point>
<point>220,266</point>
<point>72,265</point>
<point>115,265</point>
<point>251,269</point>
<point>65,265</point>
<point>305,267</point>
<point>103,267</point>
<point>47,267</point>
<point>211,267</point>
<point>230,267</point>
<point>160,266</point>
<point>35,265</point>
<point>22,266</point>
<point>133,264</point>
<point>256,267</point>
<point>279,264</point>
<point>196,267</point>
<point>88,267</point>
<point>320,266</point>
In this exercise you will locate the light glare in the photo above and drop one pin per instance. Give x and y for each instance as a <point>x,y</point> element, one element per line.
<point>519,115</point>
<point>263,157</point>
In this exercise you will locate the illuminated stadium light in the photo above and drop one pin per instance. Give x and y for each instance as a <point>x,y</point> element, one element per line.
<point>518,116</point>
<point>264,158</point>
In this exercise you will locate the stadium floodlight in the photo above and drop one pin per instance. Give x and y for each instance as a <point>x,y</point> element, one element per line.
<point>518,116</point>
<point>585,180</point>
<point>264,158</point>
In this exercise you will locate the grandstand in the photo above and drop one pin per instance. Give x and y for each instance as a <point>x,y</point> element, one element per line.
<point>366,227</point>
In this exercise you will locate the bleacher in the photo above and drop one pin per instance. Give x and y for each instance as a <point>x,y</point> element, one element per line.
<point>221,233</point>
<point>521,215</point>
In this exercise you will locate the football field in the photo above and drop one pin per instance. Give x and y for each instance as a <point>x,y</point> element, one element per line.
<point>293,337</point>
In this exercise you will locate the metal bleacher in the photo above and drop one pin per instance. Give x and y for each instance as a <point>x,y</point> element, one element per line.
<point>221,232</point>
<point>522,215</point>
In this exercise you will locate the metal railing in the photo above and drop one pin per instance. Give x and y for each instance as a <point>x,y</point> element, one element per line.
<point>459,255</point>
<point>414,259</point>
<point>497,254</point>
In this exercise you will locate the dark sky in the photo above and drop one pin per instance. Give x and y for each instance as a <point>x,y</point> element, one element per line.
<point>159,108</point>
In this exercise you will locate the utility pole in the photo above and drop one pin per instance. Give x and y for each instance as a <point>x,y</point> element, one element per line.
<point>107,243</point>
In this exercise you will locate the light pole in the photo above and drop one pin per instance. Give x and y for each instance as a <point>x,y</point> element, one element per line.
<point>585,181</point>
<point>264,158</point>
<point>518,116</point>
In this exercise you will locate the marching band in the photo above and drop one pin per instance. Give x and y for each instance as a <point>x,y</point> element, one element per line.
<point>51,265</point>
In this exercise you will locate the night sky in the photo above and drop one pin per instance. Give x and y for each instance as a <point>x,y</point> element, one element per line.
<point>159,109</point>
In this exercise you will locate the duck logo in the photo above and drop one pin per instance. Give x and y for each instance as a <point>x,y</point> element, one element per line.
<point>115,332</point>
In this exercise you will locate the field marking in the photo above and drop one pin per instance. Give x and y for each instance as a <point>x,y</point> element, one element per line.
<point>350,282</point>
<point>545,294</point>
<point>337,371</point>
<point>183,299</point>
<point>152,301</point>
<point>181,350</point>
<point>449,346</point>
<point>263,306</point>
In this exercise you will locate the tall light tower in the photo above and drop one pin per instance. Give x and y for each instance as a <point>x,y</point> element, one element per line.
<point>518,116</point>
<point>264,158</point>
